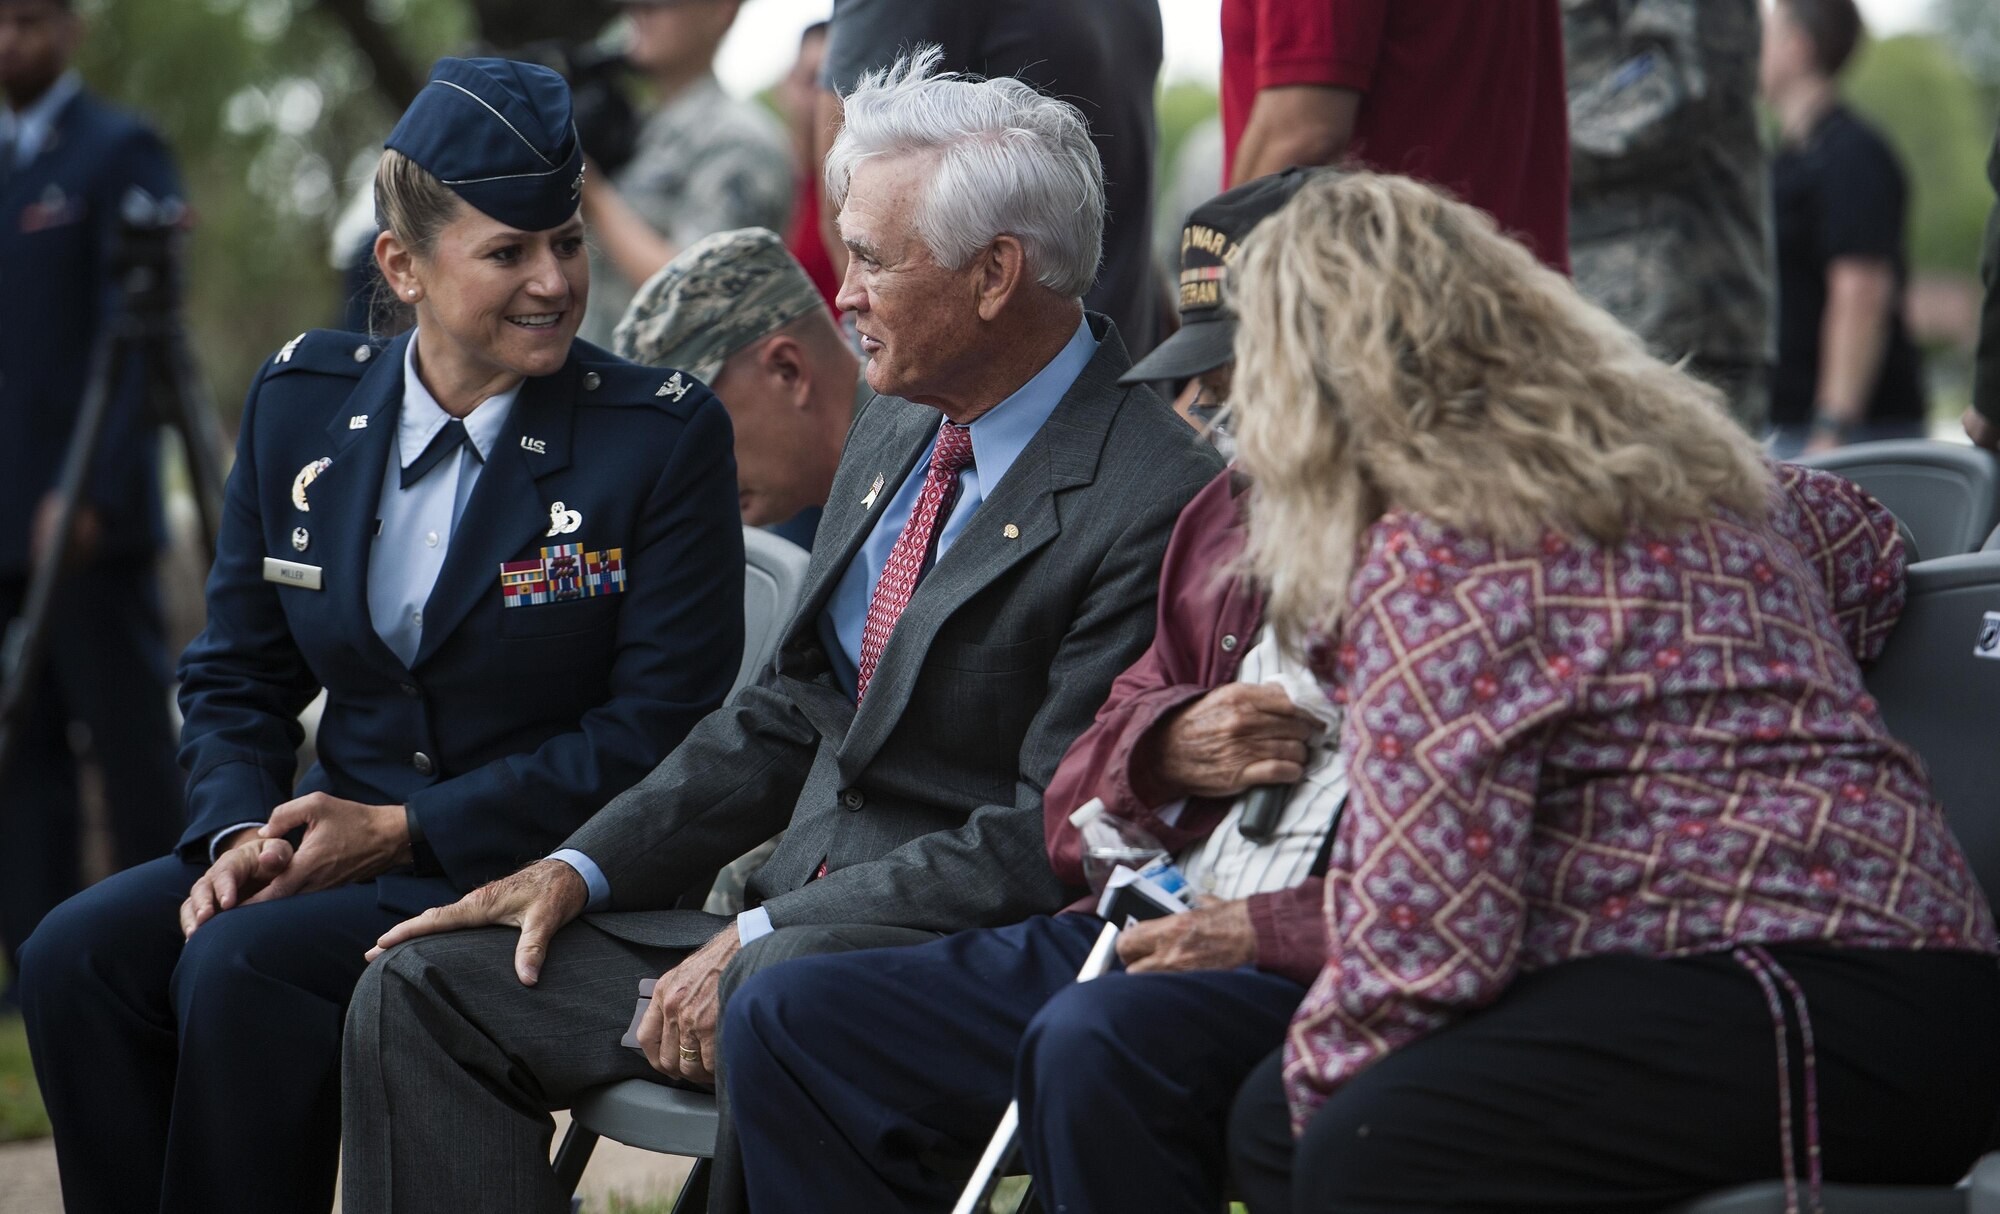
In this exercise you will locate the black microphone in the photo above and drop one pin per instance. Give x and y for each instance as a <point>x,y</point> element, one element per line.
<point>1261,807</point>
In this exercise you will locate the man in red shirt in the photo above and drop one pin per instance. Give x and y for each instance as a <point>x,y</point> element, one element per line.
<point>1466,94</point>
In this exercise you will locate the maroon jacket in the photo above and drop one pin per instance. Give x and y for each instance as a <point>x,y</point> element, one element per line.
<point>1206,625</point>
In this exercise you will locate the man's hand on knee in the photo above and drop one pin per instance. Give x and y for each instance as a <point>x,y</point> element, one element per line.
<point>678,1030</point>
<point>540,900</point>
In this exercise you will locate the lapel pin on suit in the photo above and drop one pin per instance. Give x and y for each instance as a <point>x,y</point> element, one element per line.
<point>307,475</point>
<point>874,491</point>
<point>300,539</point>
<point>358,422</point>
<point>1011,531</point>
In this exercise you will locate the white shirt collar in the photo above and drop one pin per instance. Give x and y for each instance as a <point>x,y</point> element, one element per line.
<point>423,417</point>
<point>29,129</point>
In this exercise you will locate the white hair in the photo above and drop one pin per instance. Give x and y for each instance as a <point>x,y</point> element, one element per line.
<point>1006,160</point>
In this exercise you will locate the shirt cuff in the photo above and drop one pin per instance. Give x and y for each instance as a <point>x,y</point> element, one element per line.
<point>215,840</point>
<point>753,924</point>
<point>593,877</point>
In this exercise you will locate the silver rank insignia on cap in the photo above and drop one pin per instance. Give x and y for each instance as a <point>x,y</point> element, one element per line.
<point>675,387</point>
<point>358,422</point>
<point>874,491</point>
<point>562,521</point>
<point>307,475</point>
<point>300,538</point>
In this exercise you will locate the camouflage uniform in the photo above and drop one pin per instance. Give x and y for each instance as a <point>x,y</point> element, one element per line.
<point>1986,368</point>
<point>1670,196</point>
<point>705,162</point>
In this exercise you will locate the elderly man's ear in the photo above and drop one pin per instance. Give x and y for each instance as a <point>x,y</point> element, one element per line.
<point>1002,270</point>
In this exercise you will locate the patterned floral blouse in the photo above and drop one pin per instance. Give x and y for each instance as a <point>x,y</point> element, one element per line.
<point>1660,747</point>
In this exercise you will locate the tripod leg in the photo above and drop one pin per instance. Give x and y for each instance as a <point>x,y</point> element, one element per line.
<point>187,407</point>
<point>21,652</point>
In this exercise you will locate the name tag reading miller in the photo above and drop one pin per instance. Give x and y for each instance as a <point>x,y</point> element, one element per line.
<point>291,573</point>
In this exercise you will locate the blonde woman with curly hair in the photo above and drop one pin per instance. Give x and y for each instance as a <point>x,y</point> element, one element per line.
<point>1634,897</point>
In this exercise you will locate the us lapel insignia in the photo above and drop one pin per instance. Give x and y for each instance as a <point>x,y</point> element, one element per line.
<point>562,521</point>
<point>358,422</point>
<point>307,475</point>
<point>534,446</point>
<point>874,491</point>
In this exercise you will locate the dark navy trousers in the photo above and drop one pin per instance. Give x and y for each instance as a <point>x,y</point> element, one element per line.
<point>197,1075</point>
<point>872,1080</point>
<point>105,669</point>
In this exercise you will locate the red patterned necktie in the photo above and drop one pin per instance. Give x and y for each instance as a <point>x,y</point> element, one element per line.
<point>952,455</point>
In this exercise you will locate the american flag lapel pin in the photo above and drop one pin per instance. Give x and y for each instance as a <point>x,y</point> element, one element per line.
<point>874,491</point>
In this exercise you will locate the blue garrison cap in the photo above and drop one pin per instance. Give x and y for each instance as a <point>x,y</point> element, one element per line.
<point>499,135</point>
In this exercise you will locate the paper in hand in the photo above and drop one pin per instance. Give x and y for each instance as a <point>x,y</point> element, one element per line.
<point>631,1038</point>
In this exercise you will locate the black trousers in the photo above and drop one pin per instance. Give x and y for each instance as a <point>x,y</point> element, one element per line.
<point>106,669</point>
<point>1629,1084</point>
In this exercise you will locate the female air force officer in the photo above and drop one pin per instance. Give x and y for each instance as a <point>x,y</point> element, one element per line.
<point>514,563</point>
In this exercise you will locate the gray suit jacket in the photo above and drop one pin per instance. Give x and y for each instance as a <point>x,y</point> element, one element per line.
<point>926,803</point>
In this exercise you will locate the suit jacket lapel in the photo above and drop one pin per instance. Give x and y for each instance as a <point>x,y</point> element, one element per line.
<point>1062,455</point>
<point>505,511</point>
<point>888,445</point>
<point>343,498</point>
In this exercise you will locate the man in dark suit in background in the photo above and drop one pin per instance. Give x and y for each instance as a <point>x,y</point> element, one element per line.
<point>67,164</point>
<point>978,581</point>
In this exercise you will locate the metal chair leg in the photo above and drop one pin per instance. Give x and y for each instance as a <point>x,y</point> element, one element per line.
<point>573,1156</point>
<point>694,1194</point>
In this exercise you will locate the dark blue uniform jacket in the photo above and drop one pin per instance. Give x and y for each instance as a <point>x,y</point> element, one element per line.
<point>514,723</point>
<point>58,218</point>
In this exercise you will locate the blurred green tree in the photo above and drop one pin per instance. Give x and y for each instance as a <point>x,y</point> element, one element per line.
<point>1936,116</point>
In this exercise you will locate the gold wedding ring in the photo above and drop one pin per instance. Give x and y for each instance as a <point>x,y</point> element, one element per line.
<point>689,1053</point>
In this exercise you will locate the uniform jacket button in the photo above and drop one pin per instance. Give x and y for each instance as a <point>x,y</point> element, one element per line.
<point>851,798</point>
<point>591,380</point>
<point>422,762</point>
<point>363,353</point>
<point>410,689</point>
<point>1229,643</point>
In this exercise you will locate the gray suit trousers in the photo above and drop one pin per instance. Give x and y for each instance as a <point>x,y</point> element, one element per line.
<point>470,1062</point>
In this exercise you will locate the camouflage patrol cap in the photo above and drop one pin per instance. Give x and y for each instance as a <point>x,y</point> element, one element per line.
<point>722,293</point>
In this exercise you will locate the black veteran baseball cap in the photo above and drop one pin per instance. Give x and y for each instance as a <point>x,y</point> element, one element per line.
<point>499,134</point>
<point>1214,232</point>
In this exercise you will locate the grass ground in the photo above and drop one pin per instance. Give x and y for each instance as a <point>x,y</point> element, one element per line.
<point>21,1113</point>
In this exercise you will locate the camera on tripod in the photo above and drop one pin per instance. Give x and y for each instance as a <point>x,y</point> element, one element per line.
<point>144,335</point>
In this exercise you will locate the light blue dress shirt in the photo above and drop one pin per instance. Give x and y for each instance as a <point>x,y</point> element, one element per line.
<point>27,131</point>
<point>414,525</point>
<point>998,437</point>
<point>417,522</point>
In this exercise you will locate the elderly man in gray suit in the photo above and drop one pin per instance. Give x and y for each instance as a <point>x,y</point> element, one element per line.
<point>979,579</point>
